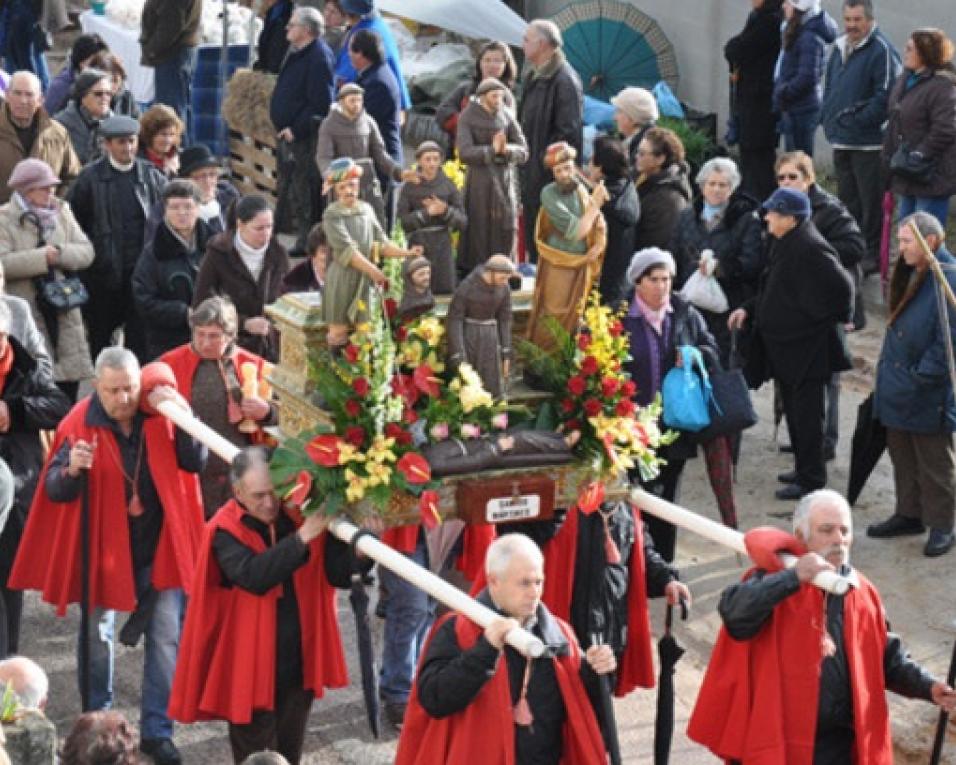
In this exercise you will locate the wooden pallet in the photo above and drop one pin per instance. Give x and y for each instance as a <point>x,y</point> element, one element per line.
<point>252,164</point>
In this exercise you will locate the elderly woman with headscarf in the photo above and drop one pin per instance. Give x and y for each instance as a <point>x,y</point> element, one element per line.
<point>658,323</point>
<point>223,383</point>
<point>39,237</point>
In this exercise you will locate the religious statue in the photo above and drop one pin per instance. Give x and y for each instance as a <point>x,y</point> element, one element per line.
<point>430,211</point>
<point>349,131</point>
<point>417,297</point>
<point>357,243</point>
<point>571,235</point>
<point>510,449</point>
<point>491,144</point>
<point>479,323</point>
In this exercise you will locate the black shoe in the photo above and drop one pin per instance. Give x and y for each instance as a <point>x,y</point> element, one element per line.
<point>395,713</point>
<point>785,449</point>
<point>791,491</point>
<point>789,477</point>
<point>829,453</point>
<point>162,750</point>
<point>895,526</point>
<point>939,543</point>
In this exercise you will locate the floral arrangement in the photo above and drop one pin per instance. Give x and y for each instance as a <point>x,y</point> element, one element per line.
<point>593,395</point>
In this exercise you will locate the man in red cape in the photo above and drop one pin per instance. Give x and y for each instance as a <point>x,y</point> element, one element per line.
<point>145,520</point>
<point>477,699</point>
<point>797,676</point>
<point>261,638</point>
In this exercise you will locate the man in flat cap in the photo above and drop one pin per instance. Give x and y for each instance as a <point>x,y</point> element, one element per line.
<point>491,144</point>
<point>571,235</point>
<point>349,131</point>
<point>111,200</point>
<point>479,323</point>
<point>357,243</point>
<point>430,211</point>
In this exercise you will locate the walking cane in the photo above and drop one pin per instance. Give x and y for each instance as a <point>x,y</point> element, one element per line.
<point>84,647</point>
<point>943,715</point>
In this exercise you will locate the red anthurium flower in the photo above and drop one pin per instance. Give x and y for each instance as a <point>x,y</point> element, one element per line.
<point>415,468</point>
<point>299,492</point>
<point>396,431</point>
<point>616,329</point>
<point>353,408</point>
<point>589,366</point>
<point>351,353</point>
<point>360,386</point>
<point>624,408</point>
<point>428,508</point>
<point>426,381</point>
<point>577,384</point>
<point>567,405</point>
<point>592,407</point>
<point>404,387</point>
<point>391,307</point>
<point>590,497</point>
<point>628,388</point>
<point>355,435</point>
<point>572,425</point>
<point>410,416</point>
<point>584,341</point>
<point>324,450</point>
<point>609,386</point>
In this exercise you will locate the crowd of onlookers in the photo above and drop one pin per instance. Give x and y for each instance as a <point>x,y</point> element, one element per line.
<point>113,221</point>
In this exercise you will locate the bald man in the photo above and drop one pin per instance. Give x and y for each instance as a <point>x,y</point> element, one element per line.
<point>28,680</point>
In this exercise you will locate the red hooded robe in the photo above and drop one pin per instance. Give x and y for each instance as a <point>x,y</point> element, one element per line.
<point>49,556</point>
<point>227,656</point>
<point>484,730</point>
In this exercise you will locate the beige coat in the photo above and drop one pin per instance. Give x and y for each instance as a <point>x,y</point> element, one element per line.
<point>23,261</point>
<point>52,145</point>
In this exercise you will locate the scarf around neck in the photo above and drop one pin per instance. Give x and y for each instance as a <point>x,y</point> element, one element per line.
<point>46,215</point>
<point>654,317</point>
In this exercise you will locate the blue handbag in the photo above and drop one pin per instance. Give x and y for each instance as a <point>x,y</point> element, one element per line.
<point>687,393</point>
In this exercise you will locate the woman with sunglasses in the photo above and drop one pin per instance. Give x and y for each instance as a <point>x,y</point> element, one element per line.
<point>90,104</point>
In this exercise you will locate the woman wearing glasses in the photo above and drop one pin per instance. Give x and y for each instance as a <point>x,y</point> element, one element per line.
<point>88,107</point>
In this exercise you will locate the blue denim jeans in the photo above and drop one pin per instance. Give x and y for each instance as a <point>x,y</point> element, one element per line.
<point>798,130</point>
<point>408,615</point>
<point>17,48</point>
<point>938,207</point>
<point>174,82</point>
<point>162,647</point>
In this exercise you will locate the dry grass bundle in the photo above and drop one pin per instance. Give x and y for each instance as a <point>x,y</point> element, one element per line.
<point>246,106</point>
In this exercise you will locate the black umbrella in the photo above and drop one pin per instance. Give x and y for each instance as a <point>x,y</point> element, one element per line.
<point>84,647</point>
<point>600,693</point>
<point>869,443</point>
<point>358,597</point>
<point>669,651</point>
<point>943,715</point>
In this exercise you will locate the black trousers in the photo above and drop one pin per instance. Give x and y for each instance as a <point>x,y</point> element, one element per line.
<point>860,189</point>
<point>108,310</point>
<point>666,486</point>
<point>282,730</point>
<point>804,405</point>
<point>301,196</point>
<point>531,207</point>
<point>11,607</point>
<point>757,174</point>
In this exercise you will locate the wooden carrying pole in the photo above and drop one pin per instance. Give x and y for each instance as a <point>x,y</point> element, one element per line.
<point>368,545</point>
<point>724,535</point>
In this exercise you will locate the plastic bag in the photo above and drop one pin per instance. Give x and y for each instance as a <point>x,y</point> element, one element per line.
<point>667,102</point>
<point>703,290</point>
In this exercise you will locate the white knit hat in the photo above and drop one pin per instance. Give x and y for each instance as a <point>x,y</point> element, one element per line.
<point>648,258</point>
<point>806,5</point>
<point>638,104</point>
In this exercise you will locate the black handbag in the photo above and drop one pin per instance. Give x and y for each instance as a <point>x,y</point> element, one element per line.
<point>911,165</point>
<point>731,408</point>
<point>61,293</point>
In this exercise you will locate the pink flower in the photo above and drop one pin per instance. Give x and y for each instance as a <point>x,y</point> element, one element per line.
<point>500,420</point>
<point>439,431</point>
<point>470,431</point>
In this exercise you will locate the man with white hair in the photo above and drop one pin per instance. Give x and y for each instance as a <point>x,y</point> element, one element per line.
<point>798,674</point>
<point>26,130</point>
<point>551,110</point>
<point>523,710</point>
<point>28,680</point>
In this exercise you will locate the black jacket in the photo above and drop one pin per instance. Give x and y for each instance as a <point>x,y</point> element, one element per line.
<point>753,55</point>
<point>35,404</point>
<point>621,212</point>
<point>98,211</point>
<point>273,44</point>
<point>226,196</point>
<point>804,298</point>
<point>663,196</point>
<point>382,100</point>
<point>163,285</point>
<point>303,91</point>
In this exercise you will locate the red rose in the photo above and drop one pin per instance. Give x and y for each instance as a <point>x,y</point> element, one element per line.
<point>351,353</point>
<point>391,307</point>
<point>609,386</point>
<point>299,492</point>
<point>624,408</point>
<point>410,416</point>
<point>324,450</point>
<point>567,406</point>
<point>401,334</point>
<point>628,388</point>
<point>577,384</point>
<point>360,386</point>
<point>415,468</point>
<point>355,435</point>
<point>353,408</point>
<point>572,425</point>
<point>428,509</point>
<point>589,366</point>
<point>592,407</point>
<point>584,341</point>
<point>396,431</point>
<point>616,329</point>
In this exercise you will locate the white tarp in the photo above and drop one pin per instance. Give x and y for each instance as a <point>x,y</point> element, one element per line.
<point>483,19</point>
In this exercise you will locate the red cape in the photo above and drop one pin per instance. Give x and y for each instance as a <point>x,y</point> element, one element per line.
<point>184,362</point>
<point>636,669</point>
<point>227,656</point>
<point>49,556</point>
<point>484,730</point>
<point>758,701</point>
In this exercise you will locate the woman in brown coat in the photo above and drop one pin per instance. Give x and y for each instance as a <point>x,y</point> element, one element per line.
<point>922,121</point>
<point>245,264</point>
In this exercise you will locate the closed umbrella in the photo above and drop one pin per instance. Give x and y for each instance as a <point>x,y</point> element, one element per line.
<point>885,234</point>
<point>600,693</point>
<point>358,598</point>
<point>669,652</point>
<point>867,446</point>
<point>943,715</point>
